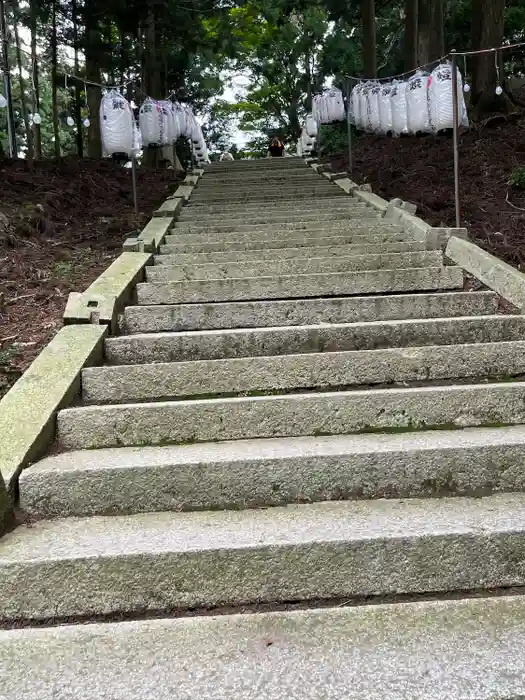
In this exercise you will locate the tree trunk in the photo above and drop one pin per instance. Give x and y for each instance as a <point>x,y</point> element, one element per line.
<point>411,33</point>
<point>93,49</point>
<point>23,106</point>
<point>37,139</point>
<point>54,87</point>
<point>151,76</point>
<point>78,88</point>
<point>487,32</point>
<point>368,42</point>
<point>431,43</point>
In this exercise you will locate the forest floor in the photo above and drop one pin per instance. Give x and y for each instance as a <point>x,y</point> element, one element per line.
<point>421,170</point>
<point>66,223</point>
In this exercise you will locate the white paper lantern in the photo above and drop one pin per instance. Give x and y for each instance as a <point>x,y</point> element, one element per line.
<point>116,123</point>
<point>398,99</point>
<point>418,115</point>
<point>3,102</point>
<point>150,116</point>
<point>70,121</point>
<point>37,119</point>
<point>385,109</point>
<point>440,99</point>
<point>87,122</point>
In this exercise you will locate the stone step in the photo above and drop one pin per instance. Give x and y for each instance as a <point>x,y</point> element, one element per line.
<point>333,228</point>
<point>225,208</point>
<point>196,214</point>
<point>324,371</point>
<point>291,415</point>
<point>345,550</point>
<point>301,286</point>
<point>277,218</point>
<point>304,312</point>
<point>279,179</point>
<point>237,194</point>
<point>297,266</point>
<point>240,256</point>
<point>422,651</point>
<point>275,472</point>
<point>216,242</point>
<point>321,338</point>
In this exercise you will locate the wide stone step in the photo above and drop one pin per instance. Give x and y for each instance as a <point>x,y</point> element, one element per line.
<point>269,217</point>
<point>291,415</point>
<point>324,338</point>
<point>224,208</point>
<point>240,256</point>
<point>422,651</point>
<point>130,564</point>
<point>321,371</point>
<point>273,196</point>
<point>196,214</point>
<point>301,286</point>
<point>282,179</point>
<point>268,238</point>
<point>298,266</point>
<point>275,472</point>
<point>332,227</point>
<point>249,314</point>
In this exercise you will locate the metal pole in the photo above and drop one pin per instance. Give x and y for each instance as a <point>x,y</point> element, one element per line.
<point>134,181</point>
<point>349,128</point>
<point>455,135</point>
<point>7,83</point>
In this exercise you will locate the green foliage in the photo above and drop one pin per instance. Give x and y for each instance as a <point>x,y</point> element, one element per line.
<point>517,179</point>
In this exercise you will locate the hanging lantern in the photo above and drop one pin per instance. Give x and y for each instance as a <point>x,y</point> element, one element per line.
<point>86,122</point>
<point>70,121</point>
<point>37,119</point>
<point>466,87</point>
<point>3,102</point>
<point>499,90</point>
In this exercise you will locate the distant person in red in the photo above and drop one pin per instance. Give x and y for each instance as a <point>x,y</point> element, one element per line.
<point>276,148</point>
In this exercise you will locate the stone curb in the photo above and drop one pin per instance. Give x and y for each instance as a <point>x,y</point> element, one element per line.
<point>171,207</point>
<point>108,294</point>
<point>28,410</point>
<point>184,191</point>
<point>496,274</point>
<point>150,237</point>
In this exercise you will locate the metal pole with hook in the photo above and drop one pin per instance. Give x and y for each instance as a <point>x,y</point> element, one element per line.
<point>134,183</point>
<point>455,113</point>
<point>349,127</point>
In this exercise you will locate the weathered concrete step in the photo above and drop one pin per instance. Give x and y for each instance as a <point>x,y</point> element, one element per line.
<point>322,338</point>
<point>270,217</point>
<point>195,214</point>
<point>259,241</point>
<point>230,256</point>
<point>297,266</point>
<point>275,472</point>
<point>330,227</point>
<point>117,564</point>
<point>291,415</point>
<point>469,645</point>
<point>304,312</point>
<point>224,208</point>
<point>299,195</point>
<point>327,371</point>
<point>301,286</point>
<point>278,179</point>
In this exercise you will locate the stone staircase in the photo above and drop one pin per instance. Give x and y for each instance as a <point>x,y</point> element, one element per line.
<point>304,413</point>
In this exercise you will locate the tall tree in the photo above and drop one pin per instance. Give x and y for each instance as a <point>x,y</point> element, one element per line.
<point>54,79</point>
<point>368,39</point>
<point>78,88</point>
<point>411,34</point>
<point>488,17</point>
<point>93,51</point>
<point>431,31</point>
<point>33,17</point>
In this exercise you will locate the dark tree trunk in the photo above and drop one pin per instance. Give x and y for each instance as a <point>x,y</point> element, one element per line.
<point>93,50</point>
<point>54,87</point>
<point>487,32</point>
<point>78,87</point>
<point>368,43</point>
<point>411,34</point>
<point>23,106</point>
<point>152,75</point>
<point>431,42</point>
<point>37,139</point>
